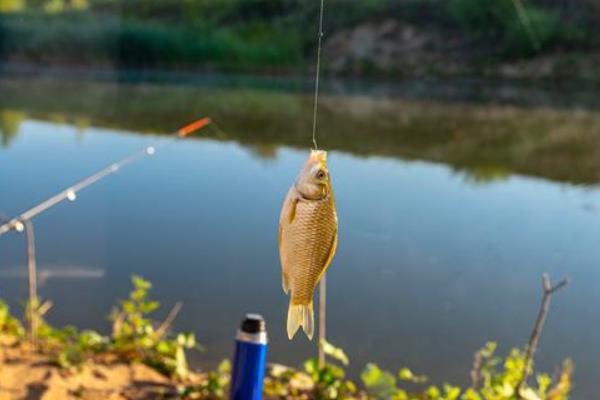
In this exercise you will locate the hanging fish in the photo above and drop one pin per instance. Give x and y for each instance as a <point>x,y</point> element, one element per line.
<point>307,239</point>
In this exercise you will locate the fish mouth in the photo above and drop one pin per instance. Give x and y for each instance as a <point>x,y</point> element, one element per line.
<point>318,155</point>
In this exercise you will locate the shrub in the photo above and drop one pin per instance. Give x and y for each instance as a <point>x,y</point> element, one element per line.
<point>498,22</point>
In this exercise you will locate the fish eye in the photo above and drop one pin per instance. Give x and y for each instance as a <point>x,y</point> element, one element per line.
<point>320,174</point>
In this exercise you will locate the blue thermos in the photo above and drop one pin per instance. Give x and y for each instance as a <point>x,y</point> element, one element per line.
<point>250,359</point>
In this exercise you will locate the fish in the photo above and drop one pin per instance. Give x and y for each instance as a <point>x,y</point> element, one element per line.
<point>308,237</point>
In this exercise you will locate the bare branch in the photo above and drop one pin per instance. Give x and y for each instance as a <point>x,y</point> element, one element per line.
<point>44,308</point>
<point>534,339</point>
<point>162,329</point>
<point>117,322</point>
<point>559,285</point>
<point>476,370</point>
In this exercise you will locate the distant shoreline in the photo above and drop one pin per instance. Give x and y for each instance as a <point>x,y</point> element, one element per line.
<point>469,89</point>
<point>524,130</point>
<point>301,79</point>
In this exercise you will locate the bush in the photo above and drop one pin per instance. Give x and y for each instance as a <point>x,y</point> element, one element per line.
<point>494,379</point>
<point>498,22</point>
<point>82,39</point>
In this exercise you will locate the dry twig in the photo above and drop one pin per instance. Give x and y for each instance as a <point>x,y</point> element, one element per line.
<point>532,345</point>
<point>476,370</point>
<point>162,329</point>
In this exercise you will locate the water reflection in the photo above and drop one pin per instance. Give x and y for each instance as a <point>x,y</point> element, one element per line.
<point>486,142</point>
<point>57,272</point>
<point>10,123</point>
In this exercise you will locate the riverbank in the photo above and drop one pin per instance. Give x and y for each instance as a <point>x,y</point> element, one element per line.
<point>27,374</point>
<point>406,39</point>
<point>143,359</point>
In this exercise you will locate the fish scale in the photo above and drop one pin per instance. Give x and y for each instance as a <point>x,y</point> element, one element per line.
<point>313,223</point>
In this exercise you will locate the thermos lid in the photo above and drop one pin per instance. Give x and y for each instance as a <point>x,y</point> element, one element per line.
<point>253,323</point>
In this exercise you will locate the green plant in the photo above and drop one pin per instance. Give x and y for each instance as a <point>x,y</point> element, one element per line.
<point>494,378</point>
<point>135,338</point>
<point>214,386</point>
<point>74,348</point>
<point>383,384</point>
<point>133,332</point>
<point>66,347</point>
<point>314,381</point>
<point>9,325</point>
<point>499,21</point>
<point>329,380</point>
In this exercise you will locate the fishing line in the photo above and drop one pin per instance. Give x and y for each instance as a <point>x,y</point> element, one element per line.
<point>220,133</point>
<point>316,100</point>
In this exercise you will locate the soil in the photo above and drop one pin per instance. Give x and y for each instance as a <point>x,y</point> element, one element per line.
<point>26,374</point>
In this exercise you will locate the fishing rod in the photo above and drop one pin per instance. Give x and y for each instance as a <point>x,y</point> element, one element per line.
<point>18,223</point>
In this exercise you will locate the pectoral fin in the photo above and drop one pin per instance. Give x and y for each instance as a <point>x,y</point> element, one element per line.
<point>285,284</point>
<point>288,213</point>
<point>291,212</point>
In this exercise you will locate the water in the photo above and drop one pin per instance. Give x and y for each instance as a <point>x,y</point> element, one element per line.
<point>449,214</point>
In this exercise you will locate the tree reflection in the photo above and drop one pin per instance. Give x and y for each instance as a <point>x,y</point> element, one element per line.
<point>10,124</point>
<point>486,142</point>
<point>11,6</point>
<point>483,174</point>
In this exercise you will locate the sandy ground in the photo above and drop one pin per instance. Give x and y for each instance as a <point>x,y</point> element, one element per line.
<point>25,374</point>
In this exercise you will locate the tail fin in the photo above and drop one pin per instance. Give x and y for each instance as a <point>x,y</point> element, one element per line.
<point>301,315</point>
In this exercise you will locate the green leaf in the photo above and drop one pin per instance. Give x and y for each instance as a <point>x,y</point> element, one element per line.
<point>334,352</point>
<point>149,306</point>
<point>471,394</point>
<point>311,366</point>
<point>489,349</point>
<point>451,392</point>
<point>224,367</point>
<point>406,374</point>
<point>140,283</point>
<point>187,340</point>
<point>378,382</point>
<point>433,392</point>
